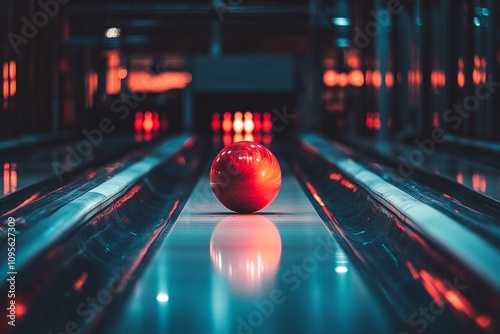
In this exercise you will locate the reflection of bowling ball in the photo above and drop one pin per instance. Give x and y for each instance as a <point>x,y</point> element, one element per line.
<point>247,250</point>
<point>245,176</point>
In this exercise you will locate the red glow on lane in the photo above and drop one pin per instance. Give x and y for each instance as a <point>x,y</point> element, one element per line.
<point>138,126</point>
<point>9,81</point>
<point>227,125</point>
<point>460,178</point>
<point>143,81</point>
<point>349,185</point>
<point>353,60</point>
<point>80,281</point>
<point>330,78</point>
<point>415,77</point>
<point>122,73</point>
<point>483,320</point>
<point>476,76</point>
<point>247,252</point>
<point>174,207</point>
<point>310,148</point>
<point>237,137</point>
<point>226,139</point>
<point>13,178</point>
<point>92,81</point>
<point>356,78</point>
<point>267,124</point>
<point>23,204</point>
<point>318,199</point>
<point>458,301</point>
<point>389,79</point>
<point>248,136</point>
<point>256,121</point>
<point>342,79</point>
<point>13,88</point>
<point>148,122</point>
<point>180,159</point>
<point>256,137</point>
<point>215,124</point>
<point>451,197</point>
<point>477,62</point>
<point>5,71</point>
<point>248,124</point>
<point>156,121</point>
<point>189,142</point>
<point>412,269</point>
<point>435,120</point>
<point>479,182</point>
<point>369,120</point>
<point>314,193</point>
<point>113,82</point>
<point>128,195</point>
<point>437,289</point>
<point>483,63</point>
<point>238,122</point>
<point>5,89</point>
<point>442,79</point>
<point>429,285</point>
<point>368,76</point>
<point>20,309</point>
<point>376,121</point>
<point>335,176</point>
<point>6,178</point>
<point>267,138</point>
<point>9,178</point>
<point>310,187</point>
<point>376,79</point>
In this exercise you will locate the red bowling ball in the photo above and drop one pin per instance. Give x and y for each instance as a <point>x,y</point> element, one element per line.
<point>245,177</point>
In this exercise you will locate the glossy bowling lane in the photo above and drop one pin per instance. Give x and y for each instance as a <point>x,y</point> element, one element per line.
<point>476,172</point>
<point>56,161</point>
<point>165,256</point>
<point>276,271</point>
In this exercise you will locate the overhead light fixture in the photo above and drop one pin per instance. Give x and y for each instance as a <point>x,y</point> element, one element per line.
<point>162,297</point>
<point>113,32</point>
<point>341,21</point>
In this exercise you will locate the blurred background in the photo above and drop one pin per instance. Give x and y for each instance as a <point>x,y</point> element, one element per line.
<point>357,69</point>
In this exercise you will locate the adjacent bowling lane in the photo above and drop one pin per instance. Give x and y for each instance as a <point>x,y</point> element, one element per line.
<point>23,169</point>
<point>277,271</point>
<point>476,175</point>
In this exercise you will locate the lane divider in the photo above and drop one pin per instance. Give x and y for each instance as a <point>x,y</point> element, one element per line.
<point>67,218</point>
<point>465,245</point>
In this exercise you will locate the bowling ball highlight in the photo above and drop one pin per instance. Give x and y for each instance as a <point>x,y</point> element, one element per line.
<point>245,177</point>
